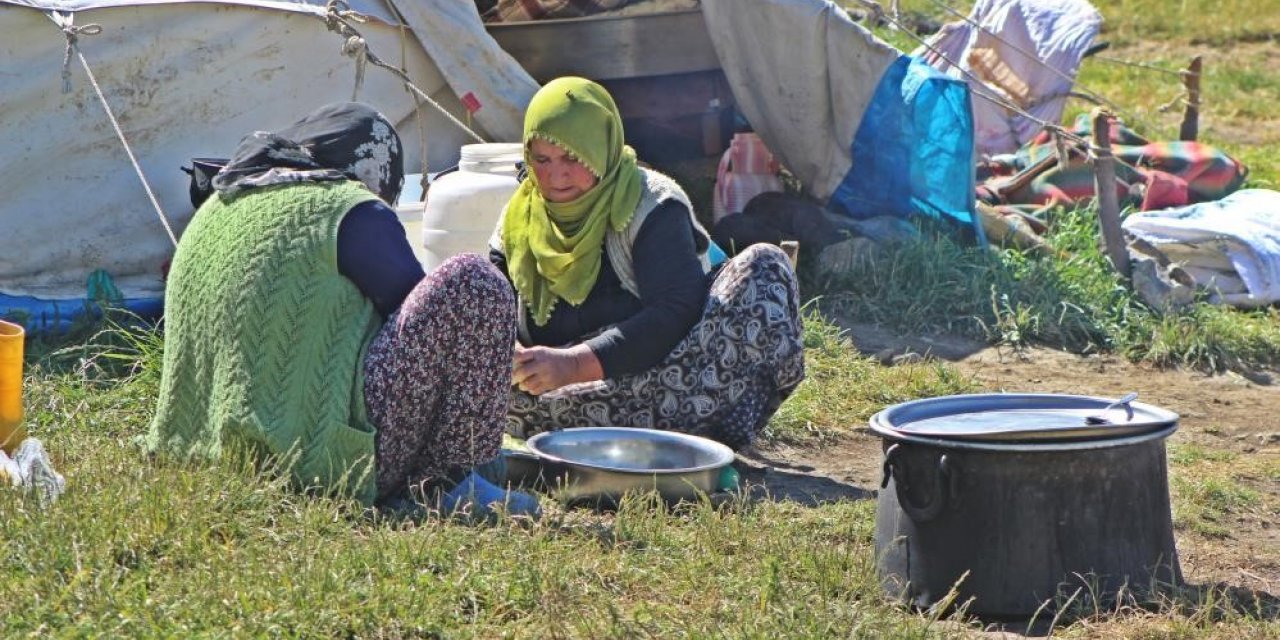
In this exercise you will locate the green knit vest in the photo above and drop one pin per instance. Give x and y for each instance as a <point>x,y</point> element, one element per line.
<point>264,340</point>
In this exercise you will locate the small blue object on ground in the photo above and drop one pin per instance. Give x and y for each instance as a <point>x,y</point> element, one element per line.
<point>477,495</point>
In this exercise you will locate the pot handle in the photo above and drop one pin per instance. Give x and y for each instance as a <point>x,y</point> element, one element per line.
<point>943,486</point>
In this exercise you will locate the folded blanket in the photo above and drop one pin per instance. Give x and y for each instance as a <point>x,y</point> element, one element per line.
<point>1221,243</point>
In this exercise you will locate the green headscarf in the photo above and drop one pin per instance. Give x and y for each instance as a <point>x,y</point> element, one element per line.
<point>554,249</point>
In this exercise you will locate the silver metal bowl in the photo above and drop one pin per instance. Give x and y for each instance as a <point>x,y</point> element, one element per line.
<point>603,463</point>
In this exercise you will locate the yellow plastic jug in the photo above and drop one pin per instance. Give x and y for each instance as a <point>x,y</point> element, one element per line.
<point>12,432</point>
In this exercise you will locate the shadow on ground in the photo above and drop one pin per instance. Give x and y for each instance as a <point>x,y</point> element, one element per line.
<point>892,348</point>
<point>768,478</point>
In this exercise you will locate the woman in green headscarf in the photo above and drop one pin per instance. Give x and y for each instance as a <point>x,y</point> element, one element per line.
<point>616,290</point>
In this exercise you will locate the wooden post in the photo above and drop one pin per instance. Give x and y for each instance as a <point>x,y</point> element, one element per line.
<point>792,249</point>
<point>1191,115</point>
<point>1104,180</point>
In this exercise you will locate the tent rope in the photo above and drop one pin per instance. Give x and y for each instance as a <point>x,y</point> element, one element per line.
<point>418,115</point>
<point>65,21</point>
<point>1143,65</point>
<point>356,47</point>
<point>72,34</point>
<point>338,17</point>
<point>1031,56</point>
<point>1054,128</point>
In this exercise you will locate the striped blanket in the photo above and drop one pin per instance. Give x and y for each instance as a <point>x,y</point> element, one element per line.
<point>1149,175</point>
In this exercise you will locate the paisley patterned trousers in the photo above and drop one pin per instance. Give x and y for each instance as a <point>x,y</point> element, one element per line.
<point>723,380</point>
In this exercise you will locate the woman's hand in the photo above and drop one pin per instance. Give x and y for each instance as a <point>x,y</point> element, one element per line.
<point>541,369</point>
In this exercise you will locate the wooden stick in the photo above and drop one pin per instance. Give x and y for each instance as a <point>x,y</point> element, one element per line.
<point>1104,180</point>
<point>792,249</point>
<point>1191,115</point>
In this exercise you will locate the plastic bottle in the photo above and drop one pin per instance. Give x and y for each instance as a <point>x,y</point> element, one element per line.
<point>12,431</point>
<point>462,207</point>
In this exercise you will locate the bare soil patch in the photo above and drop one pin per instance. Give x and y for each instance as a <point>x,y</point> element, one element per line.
<point>1228,413</point>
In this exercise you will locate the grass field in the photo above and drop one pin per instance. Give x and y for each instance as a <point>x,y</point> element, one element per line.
<point>156,548</point>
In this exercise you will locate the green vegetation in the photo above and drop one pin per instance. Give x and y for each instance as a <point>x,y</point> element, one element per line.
<point>153,548</point>
<point>842,390</point>
<point>1211,489</point>
<point>1074,301</point>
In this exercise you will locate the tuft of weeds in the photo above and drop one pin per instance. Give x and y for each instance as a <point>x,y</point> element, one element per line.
<point>1074,303</point>
<point>843,388</point>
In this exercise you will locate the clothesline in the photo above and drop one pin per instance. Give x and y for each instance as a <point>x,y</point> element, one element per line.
<point>1030,56</point>
<point>893,18</point>
<point>1056,128</point>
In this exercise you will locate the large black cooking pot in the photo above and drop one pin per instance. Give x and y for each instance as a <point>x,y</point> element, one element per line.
<point>1018,500</point>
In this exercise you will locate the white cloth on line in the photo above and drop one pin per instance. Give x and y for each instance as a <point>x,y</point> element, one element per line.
<point>991,46</point>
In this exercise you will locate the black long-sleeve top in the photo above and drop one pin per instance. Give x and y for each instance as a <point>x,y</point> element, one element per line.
<point>637,332</point>
<point>374,253</point>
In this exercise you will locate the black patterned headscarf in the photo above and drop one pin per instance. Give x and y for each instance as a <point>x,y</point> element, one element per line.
<point>340,141</point>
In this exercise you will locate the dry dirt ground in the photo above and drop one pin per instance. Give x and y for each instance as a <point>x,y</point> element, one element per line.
<point>1218,413</point>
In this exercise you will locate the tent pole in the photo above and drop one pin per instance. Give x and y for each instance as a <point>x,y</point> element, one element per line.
<point>1104,179</point>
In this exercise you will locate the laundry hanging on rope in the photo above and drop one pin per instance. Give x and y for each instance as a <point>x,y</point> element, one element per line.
<point>867,129</point>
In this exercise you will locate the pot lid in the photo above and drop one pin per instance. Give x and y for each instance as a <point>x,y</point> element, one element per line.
<point>1021,417</point>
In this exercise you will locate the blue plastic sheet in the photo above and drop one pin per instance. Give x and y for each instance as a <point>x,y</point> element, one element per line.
<point>39,316</point>
<point>913,151</point>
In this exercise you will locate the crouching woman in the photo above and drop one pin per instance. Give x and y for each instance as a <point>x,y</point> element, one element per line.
<point>622,321</point>
<point>299,324</point>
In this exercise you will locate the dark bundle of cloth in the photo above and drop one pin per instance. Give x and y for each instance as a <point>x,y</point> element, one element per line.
<point>772,217</point>
<point>525,10</point>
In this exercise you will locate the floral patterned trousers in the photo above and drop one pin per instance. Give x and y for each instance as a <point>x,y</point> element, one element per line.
<point>436,375</point>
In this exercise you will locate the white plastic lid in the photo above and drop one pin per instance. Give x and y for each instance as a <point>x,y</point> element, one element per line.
<point>493,152</point>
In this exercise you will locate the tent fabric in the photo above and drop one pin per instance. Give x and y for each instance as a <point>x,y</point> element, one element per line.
<point>993,44</point>
<point>473,64</point>
<point>76,6</point>
<point>865,128</point>
<point>184,79</point>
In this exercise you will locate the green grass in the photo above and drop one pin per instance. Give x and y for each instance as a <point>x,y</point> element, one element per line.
<point>1213,489</point>
<point>1076,302</point>
<point>1205,505</point>
<point>841,389</point>
<point>142,547</point>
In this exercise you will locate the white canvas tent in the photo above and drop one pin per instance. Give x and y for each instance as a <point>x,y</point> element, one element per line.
<point>189,79</point>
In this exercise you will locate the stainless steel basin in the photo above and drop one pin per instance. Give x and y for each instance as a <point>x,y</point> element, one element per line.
<point>603,463</point>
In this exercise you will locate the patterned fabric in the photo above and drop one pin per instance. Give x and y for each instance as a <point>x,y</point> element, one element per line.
<point>747,169</point>
<point>436,375</point>
<point>1149,175</point>
<point>264,338</point>
<point>723,381</point>
<point>340,141</point>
